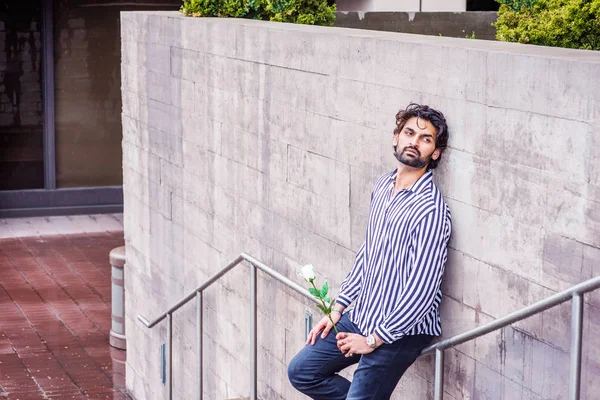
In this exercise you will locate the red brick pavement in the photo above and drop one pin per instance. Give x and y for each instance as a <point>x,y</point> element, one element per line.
<point>55,318</point>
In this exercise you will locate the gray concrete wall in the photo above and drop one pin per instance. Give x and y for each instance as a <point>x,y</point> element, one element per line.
<point>451,24</point>
<point>267,138</point>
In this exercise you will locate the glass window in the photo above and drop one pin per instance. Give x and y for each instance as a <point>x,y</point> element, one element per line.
<point>21,116</point>
<point>87,66</point>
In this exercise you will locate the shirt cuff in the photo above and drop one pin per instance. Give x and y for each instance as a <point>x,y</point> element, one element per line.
<point>343,300</point>
<point>385,336</point>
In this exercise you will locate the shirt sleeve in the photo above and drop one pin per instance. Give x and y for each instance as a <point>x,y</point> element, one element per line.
<point>429,242</point>
<point>353,282</point>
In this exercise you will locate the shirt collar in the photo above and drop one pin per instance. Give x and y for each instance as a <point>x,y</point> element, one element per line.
<point>420,184</point>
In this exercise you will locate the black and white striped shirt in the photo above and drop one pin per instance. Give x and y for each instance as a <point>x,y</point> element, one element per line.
<point>396,278</point>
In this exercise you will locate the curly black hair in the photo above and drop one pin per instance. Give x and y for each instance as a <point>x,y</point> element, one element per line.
<point>434,117</point>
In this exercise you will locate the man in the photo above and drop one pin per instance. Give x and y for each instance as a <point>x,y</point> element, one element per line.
<point>395,282</point>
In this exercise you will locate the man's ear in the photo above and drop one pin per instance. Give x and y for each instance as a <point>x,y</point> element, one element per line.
<point>395,141</point>
<point>436,154</point>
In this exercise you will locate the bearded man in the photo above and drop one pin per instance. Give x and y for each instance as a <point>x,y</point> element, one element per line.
<point>395,283</point>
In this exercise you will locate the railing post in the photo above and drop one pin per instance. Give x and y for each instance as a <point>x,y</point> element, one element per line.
<point>199,331</point>
<point>576,335</point>
<point>253,339</point>
<point>170,356</point>
<point>439,375</point>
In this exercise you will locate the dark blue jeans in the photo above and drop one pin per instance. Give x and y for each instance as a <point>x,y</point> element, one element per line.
<point>314,370</point>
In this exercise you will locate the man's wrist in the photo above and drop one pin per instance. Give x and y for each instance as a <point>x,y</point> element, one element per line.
<point>374,341</point>
<point>378,341</point>
<point>337,307</point>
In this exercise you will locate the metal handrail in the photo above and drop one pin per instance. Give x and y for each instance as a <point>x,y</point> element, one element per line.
<point>574,293</point>
<point>197,293</point>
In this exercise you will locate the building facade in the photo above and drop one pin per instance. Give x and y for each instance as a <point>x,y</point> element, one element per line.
<point>60,104</point>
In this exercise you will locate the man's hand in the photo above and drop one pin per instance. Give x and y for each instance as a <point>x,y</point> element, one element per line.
<point>352,343</point>
<point>324,325</point>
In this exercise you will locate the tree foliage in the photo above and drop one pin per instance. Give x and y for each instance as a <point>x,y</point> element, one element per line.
<point>312,12</point>
<point>517,4</point>
<point>559,23</point>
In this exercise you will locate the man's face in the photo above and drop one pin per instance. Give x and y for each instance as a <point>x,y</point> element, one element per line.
<point>415,143</point>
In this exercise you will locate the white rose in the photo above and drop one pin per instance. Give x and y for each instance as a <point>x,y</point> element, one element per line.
<point>308,273</point>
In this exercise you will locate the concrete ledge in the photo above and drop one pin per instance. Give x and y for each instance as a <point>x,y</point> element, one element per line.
<point>188,36</point>
<point>451,24</point>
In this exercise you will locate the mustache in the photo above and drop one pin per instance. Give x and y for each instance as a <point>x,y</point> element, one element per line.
<point>412,148</point>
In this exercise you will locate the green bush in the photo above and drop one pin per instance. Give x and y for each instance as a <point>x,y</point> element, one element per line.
<point>517,4</point>
<point>312,12</point>
<point>560,23</point>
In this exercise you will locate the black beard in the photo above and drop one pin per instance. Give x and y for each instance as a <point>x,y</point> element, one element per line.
<point>414,162</point>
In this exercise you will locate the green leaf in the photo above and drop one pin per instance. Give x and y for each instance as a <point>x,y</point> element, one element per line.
<point>314,292</point>
<point>324,290</point>
<point>323,309</point>
<point>328,300</point>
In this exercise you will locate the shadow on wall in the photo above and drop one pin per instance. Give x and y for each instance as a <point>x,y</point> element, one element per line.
<point>471,24</point>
